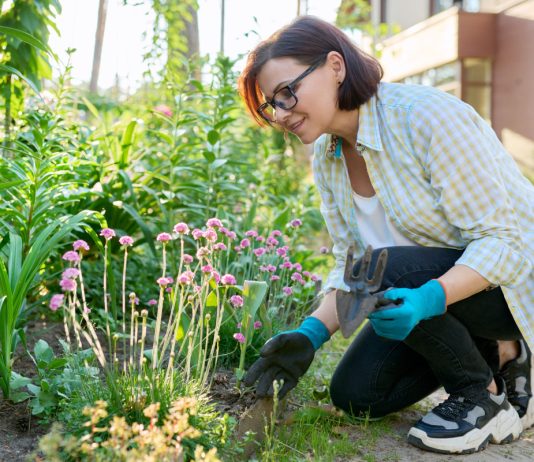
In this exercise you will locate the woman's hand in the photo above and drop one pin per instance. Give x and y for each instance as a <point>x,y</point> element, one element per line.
<point>424,302</point>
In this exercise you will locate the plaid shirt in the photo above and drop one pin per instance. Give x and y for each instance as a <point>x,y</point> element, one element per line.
<point>444,180</point>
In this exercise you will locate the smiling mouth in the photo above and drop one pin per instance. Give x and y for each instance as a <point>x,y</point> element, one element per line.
<point>296,126</point>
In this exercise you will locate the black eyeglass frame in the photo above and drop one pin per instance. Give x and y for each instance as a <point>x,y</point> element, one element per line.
<point>291,87</point>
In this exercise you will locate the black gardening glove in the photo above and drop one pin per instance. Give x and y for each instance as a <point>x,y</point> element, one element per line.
<point>286,357</point>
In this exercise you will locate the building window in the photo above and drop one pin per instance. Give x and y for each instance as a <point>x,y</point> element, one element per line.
<point>471,6</point>
<point>476,83</point>
<point>446,78</point>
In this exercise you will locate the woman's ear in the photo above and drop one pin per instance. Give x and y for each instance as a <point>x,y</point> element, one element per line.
<point>336,63</point>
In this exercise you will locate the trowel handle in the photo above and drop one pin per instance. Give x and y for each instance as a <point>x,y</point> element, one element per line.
<point>385,303</point>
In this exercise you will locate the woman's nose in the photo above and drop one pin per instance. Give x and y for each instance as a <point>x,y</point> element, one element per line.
<point>281,114</point>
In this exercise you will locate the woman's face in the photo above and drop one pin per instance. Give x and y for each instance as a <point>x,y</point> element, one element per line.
<point>316,94</point>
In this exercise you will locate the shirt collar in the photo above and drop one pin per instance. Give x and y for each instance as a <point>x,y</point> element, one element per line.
<point>368,130</point>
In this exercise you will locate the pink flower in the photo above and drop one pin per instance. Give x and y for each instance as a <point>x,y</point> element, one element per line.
<point>87,310</point>
<point>163,109</point>
<point>260,238</point>
<point>274,277</point>
<point>197,233</point>
<point>231,235</point>
<point>214,223</point>
<point>80,244</point>
<point>257,325</point>
<point>236,301</point>
<point>323,250</point>
<point>251,233</point>
<point>152,302</point>
<point>263,268</point>
<point>56,301</point>
<point>168,289</point>
<point>164,237</point>
<point>70,273</point>
<point>296,277</point>
<point>286,265</point>
<point>219,246</point>
<point>239,337</point>
<point>171,280</point>
<point>276,233</point>
<point>68,285</point>
<point>202,252</point>
<point>228,280</point>
<point>71,256</point>
<point>216,276</point>
<point>287,290</point>
<point>187,259</point>
<point>306,274</point>
<point>315,277</point>
<point>239,325</point>
<point>295,223</point>
<point>186,277</point>
<point>297,266</point>
<point>163,281</point>
<point>107,233</point>
<point>238,249</point>
<point>272,241</point>
<point>210,235</point>
<point>259,251</point>
<point>271,268</point>
<point>281,252</point>
<point>244,243</point>
<point>126,241</point>
<point>207,269</point>
<point>181,228</point>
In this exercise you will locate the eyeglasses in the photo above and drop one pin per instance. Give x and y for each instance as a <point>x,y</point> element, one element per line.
<point>285,97</point>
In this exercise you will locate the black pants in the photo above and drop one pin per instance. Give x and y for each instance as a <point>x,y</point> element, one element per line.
<point>457,350</point>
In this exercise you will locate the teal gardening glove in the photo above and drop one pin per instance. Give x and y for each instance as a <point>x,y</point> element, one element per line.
<point>425,302</point>
<point>287,356</point>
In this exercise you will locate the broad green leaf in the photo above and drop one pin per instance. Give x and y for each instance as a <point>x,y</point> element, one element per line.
<point>209,156</point>
<point>43,352</point>
<point>12,70</point>
<point>213,136</point>
<point>27,38</point>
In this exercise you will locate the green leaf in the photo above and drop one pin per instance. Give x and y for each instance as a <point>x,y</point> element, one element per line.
<point>213,136</point>
<point>27,38</point>
<point>43,352</point>
<point>12,70</point>
<point>126,143</point>
<point>209,156</point>
<point>218,163</point>
<point>212,299</point>
<point>253,295</point>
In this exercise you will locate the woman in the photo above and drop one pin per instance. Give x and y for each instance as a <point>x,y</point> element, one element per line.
<point>417,171</point>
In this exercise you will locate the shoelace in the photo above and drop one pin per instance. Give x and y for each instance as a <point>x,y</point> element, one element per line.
<point>453,407</point>
<point>511,392</point>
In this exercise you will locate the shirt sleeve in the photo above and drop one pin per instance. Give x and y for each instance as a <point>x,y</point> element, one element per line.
<point>462,156</point>
<point>337,228</point>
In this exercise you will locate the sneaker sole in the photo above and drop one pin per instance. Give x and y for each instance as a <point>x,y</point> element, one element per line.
<point>505,427</point>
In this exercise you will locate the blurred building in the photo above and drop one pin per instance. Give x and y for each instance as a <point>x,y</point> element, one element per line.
<point>479,50</point>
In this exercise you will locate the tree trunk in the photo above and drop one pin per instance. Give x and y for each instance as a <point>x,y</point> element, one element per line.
<point>99,41</point>
<point>191,30</point>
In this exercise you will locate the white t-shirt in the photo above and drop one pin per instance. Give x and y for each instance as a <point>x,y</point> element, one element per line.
<point>374,226</point>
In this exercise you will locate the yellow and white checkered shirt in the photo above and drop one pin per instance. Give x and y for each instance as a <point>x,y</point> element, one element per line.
<point>444,180</point>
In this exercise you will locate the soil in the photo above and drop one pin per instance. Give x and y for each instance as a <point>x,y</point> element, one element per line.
<point>392,446</point>
<point>20,432</point>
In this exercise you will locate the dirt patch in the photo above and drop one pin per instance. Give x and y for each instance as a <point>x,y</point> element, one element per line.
<point>392,445</point>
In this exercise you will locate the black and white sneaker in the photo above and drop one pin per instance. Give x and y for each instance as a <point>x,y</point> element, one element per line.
<point>518,375</point>
<point>466,424</point>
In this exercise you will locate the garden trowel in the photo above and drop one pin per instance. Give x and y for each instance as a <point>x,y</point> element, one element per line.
<point>354,306</point>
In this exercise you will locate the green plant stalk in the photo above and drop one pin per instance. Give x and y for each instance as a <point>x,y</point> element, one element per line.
<point>160,313</point>
<point>105,287</point>
<point>124,307</point>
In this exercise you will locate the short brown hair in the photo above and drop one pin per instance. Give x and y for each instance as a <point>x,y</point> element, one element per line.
<point>308,39</point>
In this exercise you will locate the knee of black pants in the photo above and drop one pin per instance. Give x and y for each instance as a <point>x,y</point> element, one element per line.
<point>355,401</point>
